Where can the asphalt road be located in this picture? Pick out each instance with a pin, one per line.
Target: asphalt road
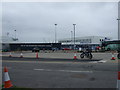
(29, 72)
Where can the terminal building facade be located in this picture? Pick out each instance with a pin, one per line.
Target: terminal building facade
(14, 44)
(92, 41)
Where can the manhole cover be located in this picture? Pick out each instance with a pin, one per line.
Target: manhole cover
(79, 76)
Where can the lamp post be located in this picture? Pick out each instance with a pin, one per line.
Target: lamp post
(118, 30)
(71, 37)
(15, 34)
(55, 33)
(74, 35)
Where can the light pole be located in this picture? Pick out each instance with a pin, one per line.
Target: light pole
(55, 33)
(71, 37)
(118, 30)
(74, 35)
(15, 34)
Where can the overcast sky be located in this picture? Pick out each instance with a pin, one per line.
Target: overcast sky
(35, 21)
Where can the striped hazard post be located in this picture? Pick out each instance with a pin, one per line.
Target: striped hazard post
(118, 81)
(7, 82)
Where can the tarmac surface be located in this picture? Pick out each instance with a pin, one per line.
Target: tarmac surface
(60, 70)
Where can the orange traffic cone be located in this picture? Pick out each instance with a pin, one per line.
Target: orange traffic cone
(113, 57)
(10, 55)
(21, 55)
(118, 81)
(7, 81)
(37, 55)
(75, 56)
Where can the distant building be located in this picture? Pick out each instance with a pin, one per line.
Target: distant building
(5, 41)
(92, 41)
(12, 44)
(84, 40)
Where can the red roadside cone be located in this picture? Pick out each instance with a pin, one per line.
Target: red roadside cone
(10, 55)
(7, 82)
(75, 56)
(21, 55)
(37, 55)
(118, 81)
(113, 57)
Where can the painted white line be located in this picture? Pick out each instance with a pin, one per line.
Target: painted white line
(93, 62)
(102, 61)
(63, 71)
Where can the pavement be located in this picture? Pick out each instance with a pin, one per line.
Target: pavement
(60, 70)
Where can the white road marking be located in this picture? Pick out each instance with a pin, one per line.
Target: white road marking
(93, 62)
(102, 61)
(64, 70)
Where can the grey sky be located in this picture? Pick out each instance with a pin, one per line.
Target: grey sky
(35, 21)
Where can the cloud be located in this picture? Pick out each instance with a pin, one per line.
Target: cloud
(35, 21)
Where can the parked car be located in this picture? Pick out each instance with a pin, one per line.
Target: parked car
(66, 49)
(36, 49)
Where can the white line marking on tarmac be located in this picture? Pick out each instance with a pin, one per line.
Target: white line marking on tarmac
(64, 70)
(102, 61)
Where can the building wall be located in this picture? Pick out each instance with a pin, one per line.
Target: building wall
(4, 42)
(83, 40)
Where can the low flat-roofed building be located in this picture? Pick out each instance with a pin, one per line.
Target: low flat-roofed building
(92, 41)
(84, 40)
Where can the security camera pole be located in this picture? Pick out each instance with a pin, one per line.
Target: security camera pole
(74, 35)
(55, 33)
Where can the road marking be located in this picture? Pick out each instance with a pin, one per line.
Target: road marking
(63, 71)
(102, 61)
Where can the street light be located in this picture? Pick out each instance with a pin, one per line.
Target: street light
(15, 34)
(71, 37)
(55, 33)
(74, 35)
(118, 30)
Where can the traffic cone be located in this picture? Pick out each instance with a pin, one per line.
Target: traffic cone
(113, 57)
(7, 82)
(10, 55)
(37, 55)
(21, 55)
(75, 56)
(118, 81)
